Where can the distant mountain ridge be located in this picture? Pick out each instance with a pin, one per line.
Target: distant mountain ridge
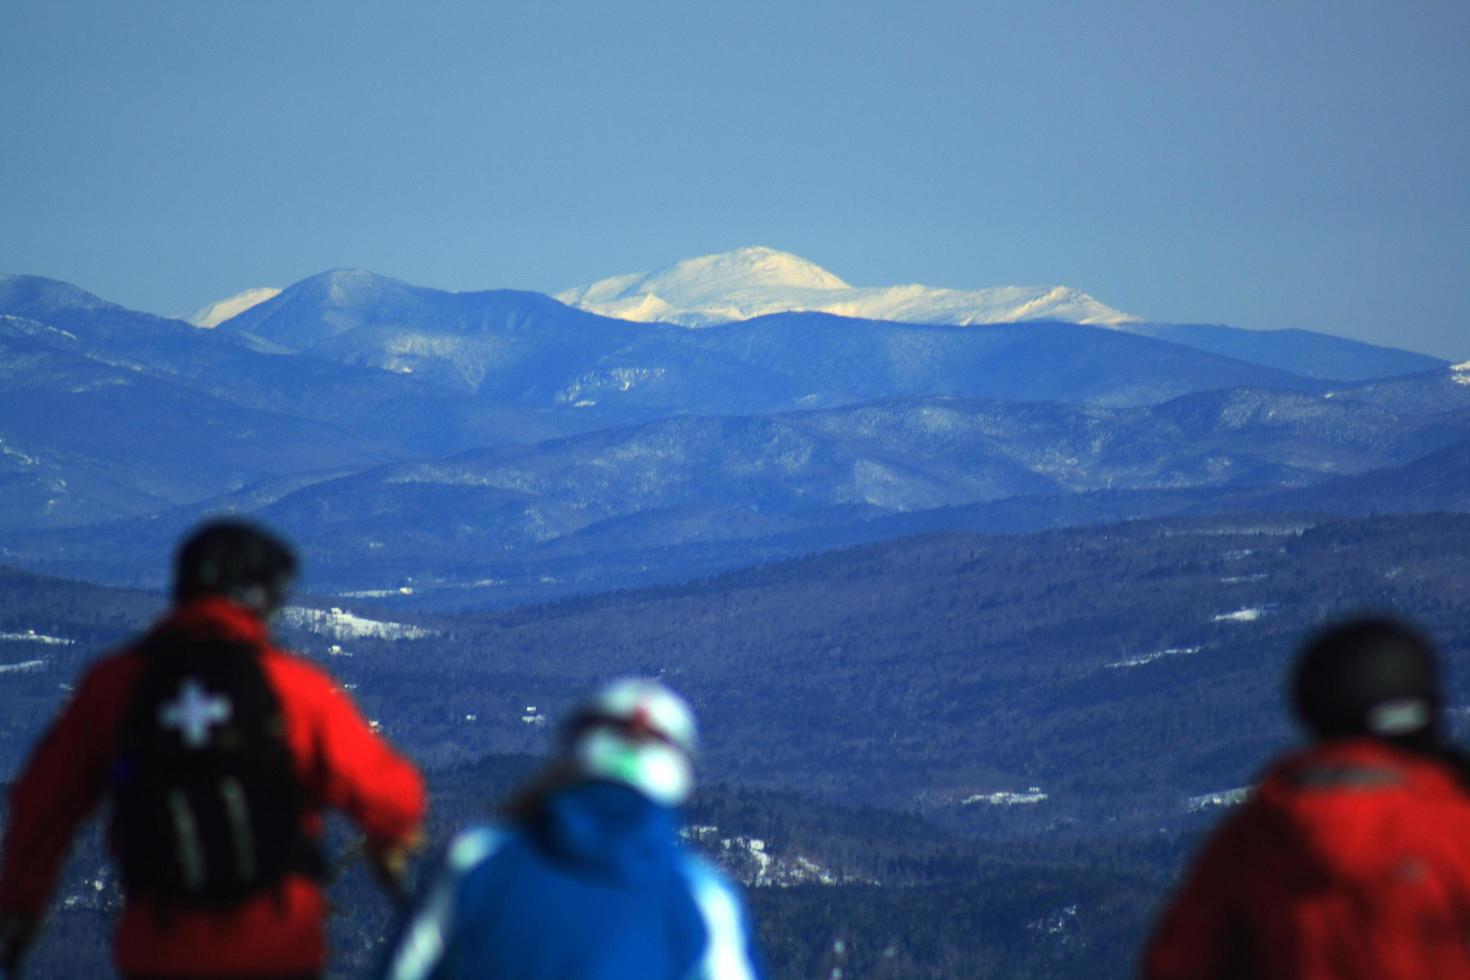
(412, 435)
(757, 281)
(750, 283)
(1305, 352)
(1433, 391)
(528, 348)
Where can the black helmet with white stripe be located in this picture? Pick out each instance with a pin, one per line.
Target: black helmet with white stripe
(1373, 676)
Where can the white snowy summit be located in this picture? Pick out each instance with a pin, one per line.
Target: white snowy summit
(216, 313)
(751, 282)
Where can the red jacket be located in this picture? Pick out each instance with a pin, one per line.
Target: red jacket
(340, 762)
(1351, 861)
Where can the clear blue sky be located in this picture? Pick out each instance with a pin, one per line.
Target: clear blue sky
(1269, 164)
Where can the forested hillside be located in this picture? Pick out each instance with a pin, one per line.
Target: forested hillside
(960, 754)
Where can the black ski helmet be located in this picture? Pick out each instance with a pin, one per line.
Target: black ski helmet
(1369, 676)
(235, 559)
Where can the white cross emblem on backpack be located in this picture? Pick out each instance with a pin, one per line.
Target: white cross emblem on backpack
(194, 713)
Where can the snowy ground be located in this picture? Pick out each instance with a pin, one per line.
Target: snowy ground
(1222, 798)
(23, 667)
(1148, 658)
(31, 636)
(749, 860)
(339, 624)
(1007, 798)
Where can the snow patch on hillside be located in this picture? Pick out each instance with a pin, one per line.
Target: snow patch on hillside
(581, 392)
(1460, 373)
(216, 313)
(9, 452)
(24, 667)
(342, 625)
(750, 861)
(1148, 658)
(1223, 798)
(757, 281)
(1007, 798)
(393, 593)
(1061, 922)
(1239, 579)
(25, 325)
(1249, 615)
(31, 636)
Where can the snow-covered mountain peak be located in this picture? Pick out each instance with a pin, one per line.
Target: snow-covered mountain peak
(216, 313)
(756, 281)
(345, 287)
(1460, 373)
(747, 267)
(708, 289)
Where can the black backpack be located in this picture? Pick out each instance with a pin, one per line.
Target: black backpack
(206, 803)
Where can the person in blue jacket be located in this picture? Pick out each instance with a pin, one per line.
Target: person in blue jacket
(587, 879)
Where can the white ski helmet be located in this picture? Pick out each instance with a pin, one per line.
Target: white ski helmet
(638, 732)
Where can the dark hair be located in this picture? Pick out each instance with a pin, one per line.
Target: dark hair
(526, 805)
(1374, 676)
(235, 559)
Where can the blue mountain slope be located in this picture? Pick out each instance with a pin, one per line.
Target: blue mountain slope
(532, 350)
(366, 405)
(1037, 361)
(1429, 472)
(44, 487)
(1439, 481)
(163, 443)
(455, 339)
(691, 494)
(687, 495)
(1303, 352)
(1432, 391)
(95, 322)
(516, 346)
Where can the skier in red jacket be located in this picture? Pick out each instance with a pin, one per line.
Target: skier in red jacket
(1352, 859)
(217, 841)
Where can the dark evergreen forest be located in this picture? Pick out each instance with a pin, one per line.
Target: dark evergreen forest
(960, 754)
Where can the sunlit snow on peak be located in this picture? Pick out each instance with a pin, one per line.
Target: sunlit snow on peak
(1460, 373)
(756, 264)
(216, 313)
(757, 281)
(711, 289)
(721, 275)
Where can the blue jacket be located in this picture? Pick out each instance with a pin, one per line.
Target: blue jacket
(599, 890)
